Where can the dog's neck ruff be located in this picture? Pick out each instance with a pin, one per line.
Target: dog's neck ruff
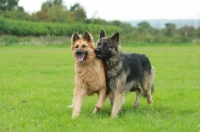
(113, 61)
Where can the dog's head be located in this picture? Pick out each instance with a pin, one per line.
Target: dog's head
(107, 46)
(82, 47)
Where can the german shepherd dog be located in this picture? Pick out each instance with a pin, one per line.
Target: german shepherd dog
(124, 72)
(90, 75)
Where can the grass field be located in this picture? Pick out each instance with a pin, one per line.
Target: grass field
(37, 82)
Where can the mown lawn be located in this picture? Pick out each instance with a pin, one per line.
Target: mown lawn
(37, 82)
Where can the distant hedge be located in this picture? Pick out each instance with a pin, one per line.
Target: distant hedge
(26, 28)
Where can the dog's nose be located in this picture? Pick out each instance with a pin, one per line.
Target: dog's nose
(78, 52)
(97, 50)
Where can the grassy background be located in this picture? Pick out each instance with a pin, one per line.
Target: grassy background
(37, 82)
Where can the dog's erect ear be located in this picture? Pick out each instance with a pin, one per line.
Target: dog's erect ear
(115, 37)
(87, 36)
(102, 34)
(75, 37)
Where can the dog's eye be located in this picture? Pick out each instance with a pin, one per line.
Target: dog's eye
(98, 44)
(76, 46)
(84, 46)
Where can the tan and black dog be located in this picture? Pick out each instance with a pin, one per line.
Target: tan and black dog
(90, 74)
(124, 72)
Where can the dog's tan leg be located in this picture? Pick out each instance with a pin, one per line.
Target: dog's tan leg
(118, 101)
(149, 86)
(78, 100)
(137, 103)
(138, 92)
(71, 106)
(111, 97)
(101, 100)
(148, 93)
(146, 86)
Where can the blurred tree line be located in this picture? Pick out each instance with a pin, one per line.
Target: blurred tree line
(55, 18)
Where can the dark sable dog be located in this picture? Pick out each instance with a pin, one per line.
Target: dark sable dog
(124, 72)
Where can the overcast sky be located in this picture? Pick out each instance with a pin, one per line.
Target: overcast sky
(124, 10)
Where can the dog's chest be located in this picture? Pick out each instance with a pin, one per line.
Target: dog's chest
(113, 69)
(112, 77)
(112, 83)
(89, 78)
(116, 75)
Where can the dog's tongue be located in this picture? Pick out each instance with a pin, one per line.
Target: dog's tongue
(81, 57)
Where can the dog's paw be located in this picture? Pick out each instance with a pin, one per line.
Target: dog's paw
(136, 105)
(70, 106)
(95, 110)
(75, 115)
(149, 100)
(114, 116)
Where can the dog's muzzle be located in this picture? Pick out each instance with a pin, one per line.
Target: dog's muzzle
(97, 51)
(81, 55)
(79, 52)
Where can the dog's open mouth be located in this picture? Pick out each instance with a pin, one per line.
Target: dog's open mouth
(81, 57)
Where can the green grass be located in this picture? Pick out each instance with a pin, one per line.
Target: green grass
(37, 82)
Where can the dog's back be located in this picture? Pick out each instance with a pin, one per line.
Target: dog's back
(138, 71)
(135, 67)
